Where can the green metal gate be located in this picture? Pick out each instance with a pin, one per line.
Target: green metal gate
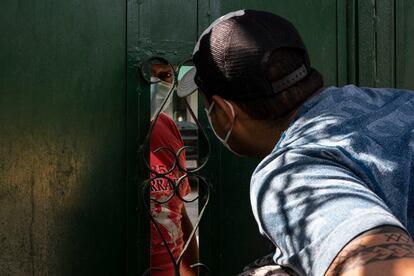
(63, 138)
(73, 111)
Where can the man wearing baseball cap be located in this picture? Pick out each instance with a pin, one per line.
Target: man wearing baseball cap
(334, 191)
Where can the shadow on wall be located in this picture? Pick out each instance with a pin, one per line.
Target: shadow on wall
(63, 206)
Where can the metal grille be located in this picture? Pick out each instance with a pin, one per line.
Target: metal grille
(175, 185)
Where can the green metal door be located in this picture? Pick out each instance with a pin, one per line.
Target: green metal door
(63, 138)
(73, 111)
(404, 44)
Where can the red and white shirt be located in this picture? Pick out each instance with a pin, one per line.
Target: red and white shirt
(166, 135)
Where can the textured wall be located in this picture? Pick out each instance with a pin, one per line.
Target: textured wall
(62, 137)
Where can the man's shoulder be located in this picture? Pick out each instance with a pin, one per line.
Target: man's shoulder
(337, 107)
(353, 91)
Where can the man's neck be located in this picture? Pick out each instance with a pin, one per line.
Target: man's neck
(265, 135)
(260, 137)
(270, 134)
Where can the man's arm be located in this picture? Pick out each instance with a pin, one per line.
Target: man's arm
(386, 250)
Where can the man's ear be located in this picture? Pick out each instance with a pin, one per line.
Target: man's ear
(224, 111)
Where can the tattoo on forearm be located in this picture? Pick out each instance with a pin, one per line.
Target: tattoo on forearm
(397, 237)
(393, 244)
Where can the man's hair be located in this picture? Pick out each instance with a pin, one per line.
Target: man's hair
(281, 63)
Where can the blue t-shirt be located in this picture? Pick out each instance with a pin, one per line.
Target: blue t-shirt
(344, 166)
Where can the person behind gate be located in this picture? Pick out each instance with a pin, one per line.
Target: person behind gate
(167, 208)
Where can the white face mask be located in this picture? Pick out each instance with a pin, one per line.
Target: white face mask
(159, 91)
(226, 138)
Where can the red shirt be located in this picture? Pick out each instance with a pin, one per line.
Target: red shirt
(168, 215)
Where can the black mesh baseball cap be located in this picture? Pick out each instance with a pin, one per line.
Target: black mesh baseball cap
(232, 55)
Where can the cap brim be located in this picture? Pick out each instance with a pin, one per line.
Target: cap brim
(187, 86)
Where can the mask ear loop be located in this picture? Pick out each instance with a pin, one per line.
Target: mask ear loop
(208, 111)
(232, 125)
(144, 147)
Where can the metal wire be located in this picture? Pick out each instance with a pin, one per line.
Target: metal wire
(175, 186)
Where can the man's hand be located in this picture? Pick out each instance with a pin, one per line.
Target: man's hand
(386, 250)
